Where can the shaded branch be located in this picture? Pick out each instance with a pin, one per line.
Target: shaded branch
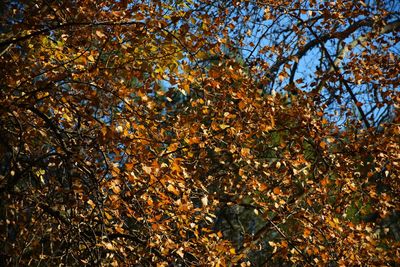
(16, 40)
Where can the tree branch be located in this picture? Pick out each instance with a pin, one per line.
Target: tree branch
(359, 41)
(16, 40)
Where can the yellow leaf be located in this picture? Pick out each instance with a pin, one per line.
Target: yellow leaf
(186, 87)
(108, 216)
(332, 224)
(146, 169)
(172, 147)
(272, 121)
(109, 246)
(173, 190)
(330, 139)
(180, 252)
(223, 126)
(278, 164)
(91, 58)
(245, 151)
(176, 166)
(100, 34)
(91, 203)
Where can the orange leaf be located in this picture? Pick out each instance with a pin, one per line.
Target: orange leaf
(242, 105)
(322, 145)
(306, 232)
(129, 166)
(277, 191)
(194, 140)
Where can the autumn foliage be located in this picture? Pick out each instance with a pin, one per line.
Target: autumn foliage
(197, 132)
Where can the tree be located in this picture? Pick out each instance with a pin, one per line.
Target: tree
(199, 133)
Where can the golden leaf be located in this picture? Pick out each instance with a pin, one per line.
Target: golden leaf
(173, 190)
(108, 216)
(109, 246)
(91, 58)
(322, 145)
(100, 34)
(147, 169)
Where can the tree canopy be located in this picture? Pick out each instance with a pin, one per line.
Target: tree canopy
(199, 132)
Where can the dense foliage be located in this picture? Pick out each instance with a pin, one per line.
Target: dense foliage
(198, 132)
